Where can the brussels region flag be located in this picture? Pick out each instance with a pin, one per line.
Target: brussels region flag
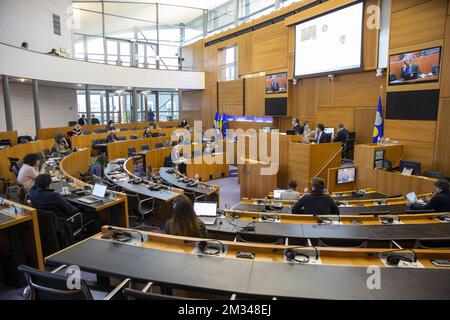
(378, 128)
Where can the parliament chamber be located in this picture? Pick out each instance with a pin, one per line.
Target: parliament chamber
(293, 150)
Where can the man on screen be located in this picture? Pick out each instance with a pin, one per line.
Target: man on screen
(409, 70)
(275, 87)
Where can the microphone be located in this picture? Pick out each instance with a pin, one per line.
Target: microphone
(292, 249)
(123, 232)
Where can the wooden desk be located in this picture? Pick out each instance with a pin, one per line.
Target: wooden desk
(306, 161)
(19, 235)
(253, 182)
(365, 154)
(208, 167)
(19, 151)
(119, 149)
(9, 135)
(79, 161)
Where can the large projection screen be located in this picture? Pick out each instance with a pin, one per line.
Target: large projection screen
(330, 43)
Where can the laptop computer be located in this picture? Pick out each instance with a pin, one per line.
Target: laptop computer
(206, 212)
(98, 194)
(277, 194)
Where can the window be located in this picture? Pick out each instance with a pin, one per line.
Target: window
(98, 104)
(169, 106)
(228, 65)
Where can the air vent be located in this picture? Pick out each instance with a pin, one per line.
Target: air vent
(56, 24)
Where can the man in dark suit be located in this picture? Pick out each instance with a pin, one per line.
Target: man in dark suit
(440, 202)
(317, 202)
(297, 127)
(342, 134)
(321, 136)
(409, 70)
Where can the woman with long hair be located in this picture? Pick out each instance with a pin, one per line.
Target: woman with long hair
(184, 221)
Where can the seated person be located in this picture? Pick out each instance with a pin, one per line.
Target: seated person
(316, 203)
(183, 124)
(76, 131)
(44, 198)
(110, 126)
(440, 202)
(291, 192)
(97, 166)
(111, 137)
(321, 136)
(61, 145)
(409, 71)
(147, 133)
(184, 221)
(30, 170)
(152, 124)
(94, 120)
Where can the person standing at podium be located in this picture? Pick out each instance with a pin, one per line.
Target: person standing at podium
(342, 134)
(316, 203)
(321, 136)
(296, 126)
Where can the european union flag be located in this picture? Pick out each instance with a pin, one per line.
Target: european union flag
(378, 128)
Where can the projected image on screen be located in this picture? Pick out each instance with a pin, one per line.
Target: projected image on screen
(415, 67)
(330, 43)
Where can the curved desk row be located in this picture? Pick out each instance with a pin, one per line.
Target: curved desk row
(199, 191)
(336, 274)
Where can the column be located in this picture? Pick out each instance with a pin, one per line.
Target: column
(88, 104)
(7, 103)
(37, 112)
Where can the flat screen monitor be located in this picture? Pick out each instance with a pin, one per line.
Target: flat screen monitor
(205, 209)
(379, 155)
(415, 67)
(330, 43)
(276, 83)
(277, 194)
(415, 166)
(346, 175)
(379, 164)
(329, 131)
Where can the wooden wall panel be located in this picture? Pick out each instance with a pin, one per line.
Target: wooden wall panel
(324, 92)
(430, 17)
(442, 151)
(364, 119)
(331, 117)
(192, 105)
(398, 5)
(231, 97)
(445, 63)
(270, 54)
(303, 98)
(421, 131)
(370, 42)
(255, 96)
(356, 89)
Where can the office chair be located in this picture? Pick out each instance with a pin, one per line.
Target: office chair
(43, 285)
(161, 134)
(135, 128)
(123, 129)
(147, 294)
(131, 151)
(349, 146)
(133, 137)
(433, 174)
(159, 145)
(145, 147)
(142, 208)
(100, 131)
(121, 138)
(85, 132)
(248, 237)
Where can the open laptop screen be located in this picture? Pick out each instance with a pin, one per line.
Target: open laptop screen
(205, 209)
(99, 190)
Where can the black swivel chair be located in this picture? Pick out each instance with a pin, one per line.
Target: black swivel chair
(123, 129)
(159, 145)
(349, 146)
(145, 147)
(121, 138)
(133, 137)
(43, 285)
(131, 151)
(249, 237)
(433, 174)
(85, 132)
(141, 207)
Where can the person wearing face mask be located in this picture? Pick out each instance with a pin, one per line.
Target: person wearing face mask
(296, 126)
